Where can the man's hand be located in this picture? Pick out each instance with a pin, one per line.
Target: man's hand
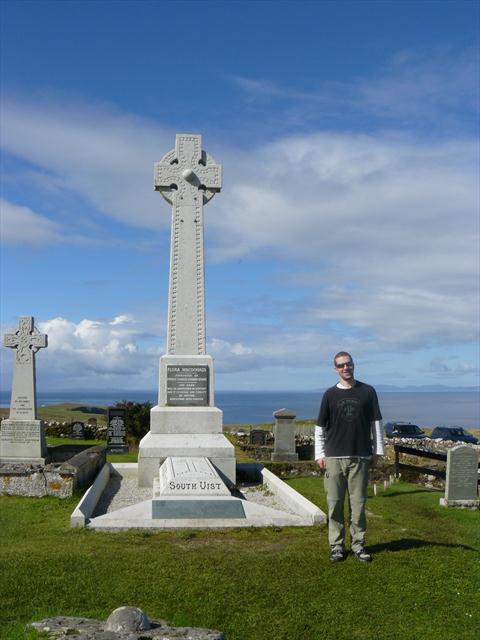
(322, 463)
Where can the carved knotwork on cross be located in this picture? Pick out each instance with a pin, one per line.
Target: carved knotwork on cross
(187, 177)
(187, 171)
(27, 340)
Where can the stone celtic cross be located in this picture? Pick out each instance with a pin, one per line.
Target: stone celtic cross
(187, 177)
(27, 340)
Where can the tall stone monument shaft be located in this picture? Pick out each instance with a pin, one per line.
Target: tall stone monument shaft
(187, 178)
(186, 423)
(22, 436)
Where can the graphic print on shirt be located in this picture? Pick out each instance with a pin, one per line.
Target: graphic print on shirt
(349, 409)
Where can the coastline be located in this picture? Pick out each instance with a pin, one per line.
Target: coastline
(425, 408)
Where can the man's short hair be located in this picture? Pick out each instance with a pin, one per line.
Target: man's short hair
(341, 353)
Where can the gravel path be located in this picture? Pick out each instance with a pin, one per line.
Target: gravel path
(122, 492)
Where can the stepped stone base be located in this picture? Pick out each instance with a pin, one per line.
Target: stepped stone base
(156, 447)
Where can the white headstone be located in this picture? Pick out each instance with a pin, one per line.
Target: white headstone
(186, 423)
(22, 438)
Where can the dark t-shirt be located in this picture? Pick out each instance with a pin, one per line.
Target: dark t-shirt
(346, 415)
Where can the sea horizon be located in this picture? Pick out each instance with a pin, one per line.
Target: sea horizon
(425, 408)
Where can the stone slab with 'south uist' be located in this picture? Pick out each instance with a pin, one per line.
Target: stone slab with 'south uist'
(192, 488)
(185, 422)
(22, 438)
(189, 477)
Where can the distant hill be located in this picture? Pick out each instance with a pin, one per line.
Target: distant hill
(435, 388)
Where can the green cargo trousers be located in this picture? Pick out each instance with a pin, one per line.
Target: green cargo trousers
(347, 476)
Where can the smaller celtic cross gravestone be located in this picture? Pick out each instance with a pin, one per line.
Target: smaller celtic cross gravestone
(22, 436)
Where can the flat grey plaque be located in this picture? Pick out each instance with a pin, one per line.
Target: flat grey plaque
(180, 509)
(187, 386)
(20, 432)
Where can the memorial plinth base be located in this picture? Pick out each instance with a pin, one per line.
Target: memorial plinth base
(185, 420)
(156, 447)
(23, 441)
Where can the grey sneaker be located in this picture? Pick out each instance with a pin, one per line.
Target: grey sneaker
(337, 554)
(363, 555)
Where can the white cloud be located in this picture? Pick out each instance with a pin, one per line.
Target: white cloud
(378, 232)
(96, 153)
(92, 352)
(21, 225)
(433, 87)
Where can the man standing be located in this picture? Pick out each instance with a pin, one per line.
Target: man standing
(348, 438)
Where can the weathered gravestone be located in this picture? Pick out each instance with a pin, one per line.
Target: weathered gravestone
(284, 433)
(22, 438)
(186, 422)
(77, 430)
(461, 484)
(259, 437)
(117, 430)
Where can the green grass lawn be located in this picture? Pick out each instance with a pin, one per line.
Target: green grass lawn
(269, 584)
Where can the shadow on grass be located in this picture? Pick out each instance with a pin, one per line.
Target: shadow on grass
(404, 544)
(395, 494)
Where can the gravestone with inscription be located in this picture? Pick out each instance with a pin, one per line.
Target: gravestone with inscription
(22, 436)
(284, 432)
(77, 430)
(117, 430)
(461, 484)
(259, 437)
(186, 421)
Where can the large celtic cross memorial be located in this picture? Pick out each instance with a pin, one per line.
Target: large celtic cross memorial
(187, 178)
(186, 422)
(22, 436)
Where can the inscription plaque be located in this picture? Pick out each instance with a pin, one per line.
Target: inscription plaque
(19, 432)
(78, 431)
(187, 385)
(117, 430)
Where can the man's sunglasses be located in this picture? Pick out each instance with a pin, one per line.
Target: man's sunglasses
(349, 365)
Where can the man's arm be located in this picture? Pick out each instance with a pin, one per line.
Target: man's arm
(320, 446)
(378, 444)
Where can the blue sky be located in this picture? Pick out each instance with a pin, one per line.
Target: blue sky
(348, 217)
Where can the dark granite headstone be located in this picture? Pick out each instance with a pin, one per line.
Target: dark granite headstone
(187, 386)
(117, 430)
(258, 437)
(78, 431)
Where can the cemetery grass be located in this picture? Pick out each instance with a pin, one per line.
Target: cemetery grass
(252, 584)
